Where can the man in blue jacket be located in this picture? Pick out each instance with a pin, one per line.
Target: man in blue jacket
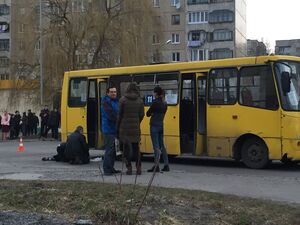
(109, 113)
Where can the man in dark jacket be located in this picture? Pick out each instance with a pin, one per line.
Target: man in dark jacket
(77, 150)
(53, 123)
(17, 123)
(131, 114)
(157, 113)
(109, 113)
(44, 120)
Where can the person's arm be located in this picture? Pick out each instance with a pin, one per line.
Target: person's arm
(141, 111)
(120, 116)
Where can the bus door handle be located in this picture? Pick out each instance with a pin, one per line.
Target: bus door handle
(235, 117)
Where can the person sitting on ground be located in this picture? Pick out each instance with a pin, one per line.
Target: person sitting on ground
(77, 150)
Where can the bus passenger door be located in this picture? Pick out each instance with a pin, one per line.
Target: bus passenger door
(188, 114)
(77, 104)
(93, 111)
(201, 148)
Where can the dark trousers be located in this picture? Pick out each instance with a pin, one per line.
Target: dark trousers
(43, 130)
(110, 153)
(131, 151)
(54, 132)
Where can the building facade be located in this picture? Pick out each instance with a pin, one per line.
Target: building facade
(288, 47)
(5, 39)
(256, 48)
(195, 30)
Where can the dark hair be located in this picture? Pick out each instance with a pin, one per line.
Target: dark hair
(133, 88)
(79, 129)
(110, 87)
(158, 90)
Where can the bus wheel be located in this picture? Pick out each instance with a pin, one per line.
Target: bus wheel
(255, 153)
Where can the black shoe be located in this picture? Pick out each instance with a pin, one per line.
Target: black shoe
(108, 174)
(116, 171)
(166, 168)
(153, 168)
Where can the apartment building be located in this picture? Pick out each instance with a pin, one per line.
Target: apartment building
(5, 38)
(195, 30)
(288, 47)
(256, 48)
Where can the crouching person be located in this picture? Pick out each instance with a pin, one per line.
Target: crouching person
(77, 150)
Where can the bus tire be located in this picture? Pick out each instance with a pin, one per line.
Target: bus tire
(255, 153)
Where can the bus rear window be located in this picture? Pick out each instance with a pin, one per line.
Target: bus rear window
(77, 92)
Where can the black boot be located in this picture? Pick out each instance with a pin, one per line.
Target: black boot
(166, 168)
(153, 168)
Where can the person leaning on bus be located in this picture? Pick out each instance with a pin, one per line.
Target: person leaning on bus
(157, 113)
(131, 114)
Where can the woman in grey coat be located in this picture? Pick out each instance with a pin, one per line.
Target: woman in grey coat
(131, 114)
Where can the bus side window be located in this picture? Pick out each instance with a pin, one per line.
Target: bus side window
(222, 86)
(77, 92)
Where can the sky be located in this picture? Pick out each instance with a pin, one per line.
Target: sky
(273, 20)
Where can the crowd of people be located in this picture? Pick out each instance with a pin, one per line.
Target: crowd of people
(15, 125)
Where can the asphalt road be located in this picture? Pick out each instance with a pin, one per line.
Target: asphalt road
(278, 182)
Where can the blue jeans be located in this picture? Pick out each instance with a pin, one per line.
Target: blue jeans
(110, 153)
(157, 137)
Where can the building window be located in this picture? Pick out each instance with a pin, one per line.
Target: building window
(222, 35)
(4, 9)
(283, 50)
(4, 76)
(21, 28)
(175, 19)
(79, 5)
(4, 44)
(195, 2)
(4, 62)
(175, 2)
(199, 54)
(155, 3)
(221, 53)
(4, 27)
(175, 39)
(21, 44)
(198, 17)
(175, 56)
(220, 1)
(221, 16)
(155, 39)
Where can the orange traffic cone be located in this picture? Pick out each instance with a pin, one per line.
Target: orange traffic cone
(21, 147)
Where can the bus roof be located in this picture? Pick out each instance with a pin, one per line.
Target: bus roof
(182, 66)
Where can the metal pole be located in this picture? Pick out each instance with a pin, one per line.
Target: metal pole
(41, 55)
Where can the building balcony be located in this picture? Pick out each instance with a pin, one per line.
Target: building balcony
(195, 44)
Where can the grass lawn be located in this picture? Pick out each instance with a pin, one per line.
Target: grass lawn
(115, 204)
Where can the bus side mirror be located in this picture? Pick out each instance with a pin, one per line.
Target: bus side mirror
(285, 82)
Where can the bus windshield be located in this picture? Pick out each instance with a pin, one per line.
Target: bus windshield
(288, 78)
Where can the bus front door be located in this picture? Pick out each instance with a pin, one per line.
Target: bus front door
(76, 105)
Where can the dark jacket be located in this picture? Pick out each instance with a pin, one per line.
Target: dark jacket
(131, 115)
(109, 115)
(54, 119)
(17, 120)
(157, 112)
(76, 146)
(44, 116)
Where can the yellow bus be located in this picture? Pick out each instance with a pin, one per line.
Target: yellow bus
(243, 108)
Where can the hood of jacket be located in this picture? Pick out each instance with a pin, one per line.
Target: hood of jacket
(132, 95)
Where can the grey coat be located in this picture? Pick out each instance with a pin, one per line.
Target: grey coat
(131, 114)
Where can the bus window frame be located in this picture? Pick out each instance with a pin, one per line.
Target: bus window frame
(208, 85)
(274, 83)
(69, 92)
